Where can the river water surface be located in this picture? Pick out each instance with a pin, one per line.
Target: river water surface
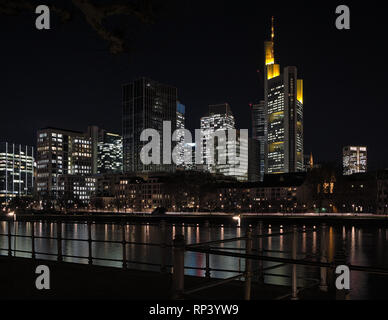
(363, 246)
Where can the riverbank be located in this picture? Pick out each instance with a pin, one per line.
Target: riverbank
(201, 218)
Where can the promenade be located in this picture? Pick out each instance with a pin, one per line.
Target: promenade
(76, 281)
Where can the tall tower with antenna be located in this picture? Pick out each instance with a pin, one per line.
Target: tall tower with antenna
(283, 105)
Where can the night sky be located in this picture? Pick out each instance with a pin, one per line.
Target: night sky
(211, 51)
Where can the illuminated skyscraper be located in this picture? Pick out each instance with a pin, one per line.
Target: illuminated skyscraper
(283, 93)
(16, 171)
(180, 124)
(61, 152)
(146, 105)
(259, 129)
(355, 160)
(107, 151)
(220, 119)
(110, 153)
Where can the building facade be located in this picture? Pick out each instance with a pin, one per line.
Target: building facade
(219, 118)
(254, 157)
(61, 152)
(259, 129)
(180, 126)
(355, 160)
(16, 171)
(227, 150)
(146, 105)
(283, 94)
(76, 189)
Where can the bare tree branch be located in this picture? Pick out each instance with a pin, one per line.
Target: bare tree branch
(95, 15)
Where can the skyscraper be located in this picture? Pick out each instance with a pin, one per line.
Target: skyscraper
(254, 157)
(355, 160)
(180, 125)
(107, 151)
(283, 93)
(259, 129)
(16, 171)
(61, 152)
(146, 105)
(221, 119)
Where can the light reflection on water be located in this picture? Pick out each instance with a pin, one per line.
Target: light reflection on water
(364, 246)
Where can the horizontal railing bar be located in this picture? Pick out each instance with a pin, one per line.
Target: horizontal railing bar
(209, 243)
(119, 260)
(288, 261)
(212, 285)
(275, 267)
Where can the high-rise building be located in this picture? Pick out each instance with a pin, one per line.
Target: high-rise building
(107, 151)
(16, 171)
(254, 157)
(61, 152)
(180, 125)
(355, 160)
(110, 153)
(220, 119)
(146, 105)
(283, 93)
(259, 129)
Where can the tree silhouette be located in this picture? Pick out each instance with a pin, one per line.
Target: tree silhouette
(97, 15)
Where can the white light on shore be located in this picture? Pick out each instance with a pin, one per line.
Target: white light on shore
(238, 219)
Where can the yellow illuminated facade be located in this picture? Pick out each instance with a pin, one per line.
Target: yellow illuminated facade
(269, 53)
(273, 71)
(300, 90)
(284, 150)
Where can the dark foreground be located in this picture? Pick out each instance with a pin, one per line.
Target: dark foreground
(75, 281)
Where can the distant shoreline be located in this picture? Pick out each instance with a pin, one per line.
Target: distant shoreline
(199, 218)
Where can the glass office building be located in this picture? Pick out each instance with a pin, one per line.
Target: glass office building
(110, 153)
(16, 171)
(147, 104)
(355, 160)
(180, 125)
(227, 150)
(259, 130)
(61, 152)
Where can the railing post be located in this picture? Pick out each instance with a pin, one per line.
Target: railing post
(207, 271)
(323, 284)
(340, 259)
(9, 238)
(260, 252)
(163, 246)
(207, 255)
(59, 240)
(90, 258)
(248, 266)
(33, 239)
(294, 257)
(178, 275)
(124, 243)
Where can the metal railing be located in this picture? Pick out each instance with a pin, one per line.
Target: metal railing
(180, 292)
(208, 249)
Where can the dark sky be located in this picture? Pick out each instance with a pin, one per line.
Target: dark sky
(211, 51)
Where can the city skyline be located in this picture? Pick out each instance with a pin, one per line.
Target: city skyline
(323, 140)
(190, 150)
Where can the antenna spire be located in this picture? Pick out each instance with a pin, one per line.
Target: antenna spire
(273, 29)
